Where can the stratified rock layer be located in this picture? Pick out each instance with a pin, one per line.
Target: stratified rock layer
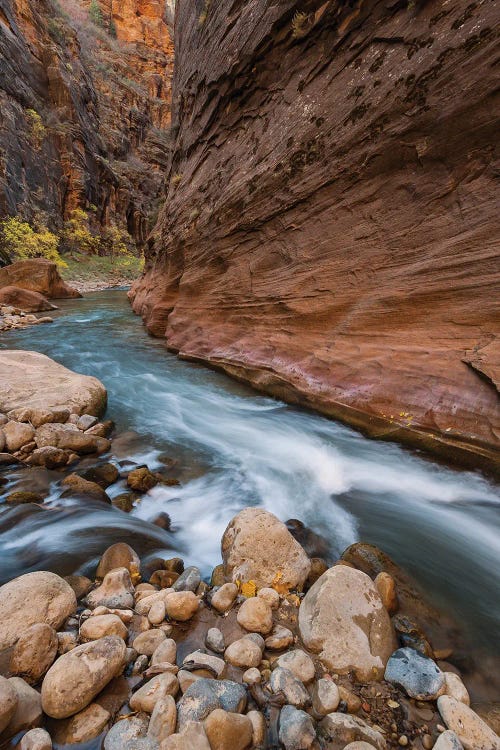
(330, 232)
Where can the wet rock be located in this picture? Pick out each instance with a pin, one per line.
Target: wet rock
(21, 497)
(7, 459)
(164, 578)
(82, 727)
(279, 639)
(228, 731)
(2, 441)
(28, 711)
(411, 635)
(76, 485)
(116, 590)
(189, 580)
(32, 598)
(130, 734)
(99, 626)
(104, 474)
(341, 728)
(472, 731)
(163, 520)
(166, 651)
(386, 587)
(147, 696)
(36, 739)
(16, 435)
(38, 417)
(8, 702)
(243, 653)
(448, 741)
(270, 596)
(325, 697)
(81, 585)
(119, 555)
(283, 681)
(50, 457)
(215, 664)
(142, 479)
(192, 737)
(215, 640)
(181, 605)
(456, 688)
(362, 639)
(314, 544)
(299, 663)
(223, 598)
(146, 643)
(255, 615)
(78, 676)
(296, 730)
(205, 695)
(163, 719)
(124, 501)
(245, 551)
(86, 421)
(417, 675)
(34, 652)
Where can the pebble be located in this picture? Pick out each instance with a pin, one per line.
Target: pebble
(279, 639)
(386, 587)
(157, 612)
(258, 728)
(181, 605)
(141, 479)
(189, 580)
(66, 641)
(36, 739)
(28, 711)
(186, 679)
(472, 731)
(146, 643)
(325, 697)
(192, 737)
(82, 727)
(78, 676)
(205, 695)
(100, 625)
(199, 657)
(215, 640)
(252, 676)
(140, 664)
(417, 675)
(8, 702)
(270, 596)
(130, 734)
(148, 695)
(163, 719)
(284, 681)
(344, 728)
(456, 688)
(119, 555)
(228, 731)
(223, 599)
(166, 651)
(296, 730)
(299, 663)
(255, 615)
(116, 590)
(243, 653)
(448, 740)
(34, 652)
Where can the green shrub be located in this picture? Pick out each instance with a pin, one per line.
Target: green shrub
(21, 241)
(36, 128)
(95, 14)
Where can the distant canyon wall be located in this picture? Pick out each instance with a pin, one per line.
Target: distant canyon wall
(331, 228)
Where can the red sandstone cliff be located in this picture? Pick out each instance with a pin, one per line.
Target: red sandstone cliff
(331, 233)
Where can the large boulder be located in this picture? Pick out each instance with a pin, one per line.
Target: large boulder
(342, 618)
(37, 275)
(39, 597)
(32, 380)
(25, 299)
(257, 546)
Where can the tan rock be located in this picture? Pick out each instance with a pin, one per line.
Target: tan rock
(216, 665)
(325, 697)
(228, 731)
(49, 456)
(181, 605)
(186, 679)
(255, 615)
(352, 700)
(8, 702)
(258, 728)
(32, 380)
(78, 676)
(362, 637)
(82, 727)
(76, 485)
(166, 651)
(299, 663)
(279, 639)
(36, 739)
(98, 626)
(243, 653)
(28, 711)
(147, 642)
(163, 719)
(39, 597)
(224, 597)
(252, 676)
(342, 728)
(386, 587)
(119, 555)
(17, 434)
(142, 479)
(66, 641)
(270, 596)
(246, 546)
(456, 688)
(147, 696)
(472, 731)
(34, 652)
(192, 737)
(116, 590)
(157, 613)
(448, 740)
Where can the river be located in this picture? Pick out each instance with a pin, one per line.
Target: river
(234, 448)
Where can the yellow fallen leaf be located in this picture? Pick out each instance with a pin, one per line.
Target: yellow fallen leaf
(248, 589)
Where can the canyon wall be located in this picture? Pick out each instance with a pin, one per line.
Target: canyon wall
(84, 111)
(331, 232)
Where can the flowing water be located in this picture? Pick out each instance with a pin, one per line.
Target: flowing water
(234, 448)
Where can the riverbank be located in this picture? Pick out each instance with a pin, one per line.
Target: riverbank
(91, 273)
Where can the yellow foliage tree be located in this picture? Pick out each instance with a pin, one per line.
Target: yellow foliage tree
(21, 241)
(77, 236)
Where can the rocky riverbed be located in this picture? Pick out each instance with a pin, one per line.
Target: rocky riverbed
(278, 650)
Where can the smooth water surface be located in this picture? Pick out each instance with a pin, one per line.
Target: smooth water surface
(235, 448)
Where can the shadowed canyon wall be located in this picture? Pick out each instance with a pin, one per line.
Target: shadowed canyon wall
(84, 111)
(331, 233)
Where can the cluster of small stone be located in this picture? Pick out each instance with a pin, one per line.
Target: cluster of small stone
(245, 662)
(13, 317)
(52, 438)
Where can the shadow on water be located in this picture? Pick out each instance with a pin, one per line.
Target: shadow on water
(234, 448)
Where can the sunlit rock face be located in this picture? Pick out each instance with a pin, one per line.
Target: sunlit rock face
(330, 227)
(85, 111)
